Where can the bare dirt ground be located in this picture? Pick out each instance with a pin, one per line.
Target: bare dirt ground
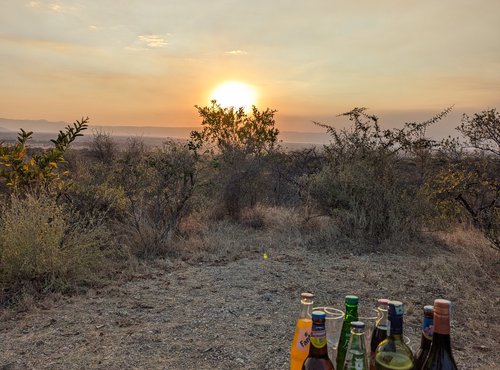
(239, 313)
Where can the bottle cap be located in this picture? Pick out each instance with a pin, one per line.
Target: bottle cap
(395, 308)
(306, 295)
(428, 310)
(442, 307)
(383, 302)
(358, 324)
(318, 315)
(351, 299)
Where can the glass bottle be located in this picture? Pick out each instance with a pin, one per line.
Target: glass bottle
(318, 350)
(379, 331)
(393, 353)
(440, 356)
(356, 357)
(425, 342)
(351, 314)
(301, 338)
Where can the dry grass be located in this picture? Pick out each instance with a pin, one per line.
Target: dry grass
(45, 247)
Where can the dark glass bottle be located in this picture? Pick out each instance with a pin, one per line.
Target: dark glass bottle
(440, 356)
(318, 349)
(425, 343)
(356, 357)
(379, 331)
(351, 314)
(393, 353)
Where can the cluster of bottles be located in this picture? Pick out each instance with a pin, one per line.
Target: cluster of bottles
(387, 348)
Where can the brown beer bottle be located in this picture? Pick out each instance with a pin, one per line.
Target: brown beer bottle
(440, 356)
(425, 343)
(318, 350)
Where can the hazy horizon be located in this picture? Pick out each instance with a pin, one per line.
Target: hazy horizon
(395, 119)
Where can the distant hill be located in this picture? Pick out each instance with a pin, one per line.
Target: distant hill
(161, 133)
(41, 126)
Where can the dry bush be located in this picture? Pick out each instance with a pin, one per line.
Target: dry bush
(367, 201)
(46, 247)
(158, 185)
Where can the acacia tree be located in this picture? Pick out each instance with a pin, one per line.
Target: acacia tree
(469, 187)
(237, 144)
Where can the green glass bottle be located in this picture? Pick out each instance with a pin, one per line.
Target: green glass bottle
(356, 357)
(318, 349)
(426, 341)
(351, 314)
(393, 353)
(440, 356)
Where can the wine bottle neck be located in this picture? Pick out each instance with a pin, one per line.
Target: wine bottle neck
(427, 330)
(441, 342)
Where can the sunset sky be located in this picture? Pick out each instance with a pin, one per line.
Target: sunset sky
(149, 62)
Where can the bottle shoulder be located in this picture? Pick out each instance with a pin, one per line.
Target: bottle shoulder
(394, 345)
(440, 360)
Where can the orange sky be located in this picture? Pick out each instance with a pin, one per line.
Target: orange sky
(149, 62)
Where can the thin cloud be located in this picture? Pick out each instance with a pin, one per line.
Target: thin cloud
(54, 7)
(153, 41)
(236, 52)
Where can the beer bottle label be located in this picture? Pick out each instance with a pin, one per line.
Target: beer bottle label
(318, 338)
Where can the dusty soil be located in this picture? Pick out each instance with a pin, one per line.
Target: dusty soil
(240, 314)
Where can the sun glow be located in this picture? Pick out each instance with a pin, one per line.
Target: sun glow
(234, 94)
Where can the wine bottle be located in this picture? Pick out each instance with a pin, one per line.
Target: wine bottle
(393, 353)
(425, 342)
(440, 355)
(379, 331)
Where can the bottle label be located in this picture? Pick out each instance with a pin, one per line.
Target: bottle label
(304, 340)
(359, 362)
(318, 338)
(428, 327)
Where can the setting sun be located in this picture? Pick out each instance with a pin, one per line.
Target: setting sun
(234, 94)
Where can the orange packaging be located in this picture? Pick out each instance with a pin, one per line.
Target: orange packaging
(300, 344)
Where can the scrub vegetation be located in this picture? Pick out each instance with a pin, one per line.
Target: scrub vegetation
(74, 220)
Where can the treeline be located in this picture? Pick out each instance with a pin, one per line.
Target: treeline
(65, 212)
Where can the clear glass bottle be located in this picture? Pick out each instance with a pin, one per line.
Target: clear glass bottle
(379, 331)
(318, 350)
(426, 341)
(393, 353)
(440, 355)
(351, 314)
(356, 357)
(301, 338)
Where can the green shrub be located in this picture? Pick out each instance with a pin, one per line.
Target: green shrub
(45, 246)
(237, 146)
(21, 169)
